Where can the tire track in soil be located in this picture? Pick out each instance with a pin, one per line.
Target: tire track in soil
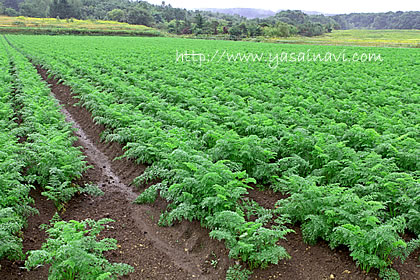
(185, 247)
(96, 156)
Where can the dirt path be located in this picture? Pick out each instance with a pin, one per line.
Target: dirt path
(183, 251)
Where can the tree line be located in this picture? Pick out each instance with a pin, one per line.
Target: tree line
(182, 21)
(390, 20)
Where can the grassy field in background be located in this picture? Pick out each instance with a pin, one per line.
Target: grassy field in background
(355, 37)
(72, 26)
(359, 37)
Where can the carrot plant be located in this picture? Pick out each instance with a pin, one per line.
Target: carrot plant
(74, 252)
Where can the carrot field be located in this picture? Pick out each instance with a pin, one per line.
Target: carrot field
(330, 132)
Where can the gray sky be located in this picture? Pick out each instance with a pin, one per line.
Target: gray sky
(326, 6)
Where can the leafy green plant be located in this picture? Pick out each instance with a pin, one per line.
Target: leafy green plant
(92, 189)
(405, 251)
(389, 274)
(214, 262)
(249, 241)
(236, 272)
(373, 248)
(73, 251)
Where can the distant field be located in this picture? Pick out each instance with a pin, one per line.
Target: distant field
(356, 37)
(52, 26)
(72, 26)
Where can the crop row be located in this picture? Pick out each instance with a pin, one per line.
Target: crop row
(343, 146)
(14, 196)
(36, 148)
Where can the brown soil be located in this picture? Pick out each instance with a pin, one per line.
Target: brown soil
(183, 251)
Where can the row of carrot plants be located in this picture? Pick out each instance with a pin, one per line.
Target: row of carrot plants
(37, 148)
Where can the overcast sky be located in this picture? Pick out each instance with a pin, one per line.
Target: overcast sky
(325, 6)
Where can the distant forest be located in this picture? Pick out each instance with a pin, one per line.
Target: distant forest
(390, 20)
(182, 21)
